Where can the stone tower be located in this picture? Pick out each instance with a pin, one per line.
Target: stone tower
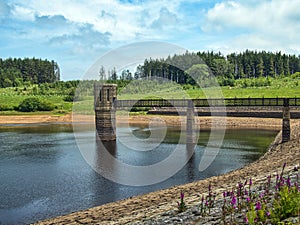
(105, 113)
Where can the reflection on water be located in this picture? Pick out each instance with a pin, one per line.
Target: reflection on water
(43, 174)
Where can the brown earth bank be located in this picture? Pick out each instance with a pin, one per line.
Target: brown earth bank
(153, 205)
(247, 122)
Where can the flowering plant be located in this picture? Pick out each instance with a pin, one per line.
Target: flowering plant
(181, 204)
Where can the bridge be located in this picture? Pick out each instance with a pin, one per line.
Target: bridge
(217, 102)
(106, 104)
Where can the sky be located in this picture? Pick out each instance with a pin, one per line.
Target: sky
(76, 33)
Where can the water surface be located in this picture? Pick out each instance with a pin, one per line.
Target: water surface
(44, 175)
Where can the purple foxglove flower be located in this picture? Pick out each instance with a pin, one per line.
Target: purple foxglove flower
(246, 220)
(181, 195)
(224, 194)
(240, 185)
(245, 183)
(261, 195)
(248, 199)
(250, 182)
(233, 200)
(288, 182)
(246, 192)
(268, 213)
(258, 206)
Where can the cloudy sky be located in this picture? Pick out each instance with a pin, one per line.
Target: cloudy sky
(75, 33)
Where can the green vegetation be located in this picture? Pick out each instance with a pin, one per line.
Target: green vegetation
(278, 87)
(34, 104)
(62, 94)
(286, 204)
(248, 74)
(19, 72)
(201, 66)
(47, 97)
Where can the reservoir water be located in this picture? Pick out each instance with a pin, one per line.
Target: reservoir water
(43, 173)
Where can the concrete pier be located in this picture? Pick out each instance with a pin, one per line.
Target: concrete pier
(190, 123)
(286, 127)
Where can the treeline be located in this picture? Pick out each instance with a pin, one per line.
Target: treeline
(227, 69)
(251, 64)
(14, 72)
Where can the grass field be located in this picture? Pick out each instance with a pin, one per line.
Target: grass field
(10, 98)
(227, 92)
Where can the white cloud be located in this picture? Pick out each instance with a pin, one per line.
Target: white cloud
(262, 15)
(22, 13)
(85, 39)
(166, 19)
(123, 20)
(271, 25)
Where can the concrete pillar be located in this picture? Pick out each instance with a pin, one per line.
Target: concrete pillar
(286, 129)
(105, 113)
(190, 123)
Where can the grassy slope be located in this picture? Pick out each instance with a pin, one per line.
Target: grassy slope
(284, 87)
(9, 98)
(228, 92)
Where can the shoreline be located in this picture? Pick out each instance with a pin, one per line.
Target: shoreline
(156, 204)
(203, 121)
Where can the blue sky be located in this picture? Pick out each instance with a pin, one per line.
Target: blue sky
(75, 33)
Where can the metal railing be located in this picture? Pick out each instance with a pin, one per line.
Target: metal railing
(228, 102)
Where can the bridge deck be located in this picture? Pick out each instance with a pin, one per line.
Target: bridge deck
(226, 102)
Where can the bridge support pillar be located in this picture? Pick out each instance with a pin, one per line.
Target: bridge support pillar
(286, 128)
(190, 123)
(105, 113)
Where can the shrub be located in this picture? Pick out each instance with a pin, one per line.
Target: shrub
(73, 96)
(45, 106)
(287, 205)
(35, 104)
(6, 107)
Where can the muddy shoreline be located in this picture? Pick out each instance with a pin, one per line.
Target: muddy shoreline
(204, 122)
